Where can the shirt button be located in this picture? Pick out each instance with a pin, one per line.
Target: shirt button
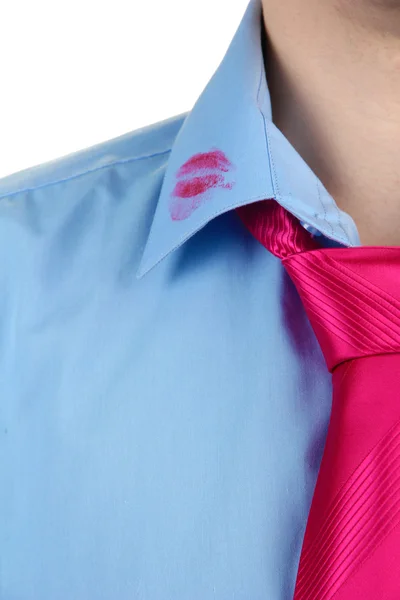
(311, 229)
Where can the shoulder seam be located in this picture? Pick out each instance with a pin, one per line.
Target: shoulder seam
(76, 175)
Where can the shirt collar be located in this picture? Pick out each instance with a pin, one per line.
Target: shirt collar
(229, 153)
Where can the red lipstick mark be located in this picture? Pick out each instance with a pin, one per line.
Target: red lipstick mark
(206, 160)
(199, 175)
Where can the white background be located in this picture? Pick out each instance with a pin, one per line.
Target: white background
(76, 73)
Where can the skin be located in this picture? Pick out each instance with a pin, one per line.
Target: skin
(333, 70)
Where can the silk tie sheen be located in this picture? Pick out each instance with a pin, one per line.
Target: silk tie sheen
(351, 546)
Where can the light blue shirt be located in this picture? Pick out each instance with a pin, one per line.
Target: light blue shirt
(164, 400)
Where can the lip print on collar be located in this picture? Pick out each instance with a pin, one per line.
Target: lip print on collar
(196, 178)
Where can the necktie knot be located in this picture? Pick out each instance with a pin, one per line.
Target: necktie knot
(351, 295)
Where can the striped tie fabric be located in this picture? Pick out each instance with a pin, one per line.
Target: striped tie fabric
(351, 546)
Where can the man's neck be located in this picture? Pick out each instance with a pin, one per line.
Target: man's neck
(334, 78)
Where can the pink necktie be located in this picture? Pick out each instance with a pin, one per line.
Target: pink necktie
(351, 547)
